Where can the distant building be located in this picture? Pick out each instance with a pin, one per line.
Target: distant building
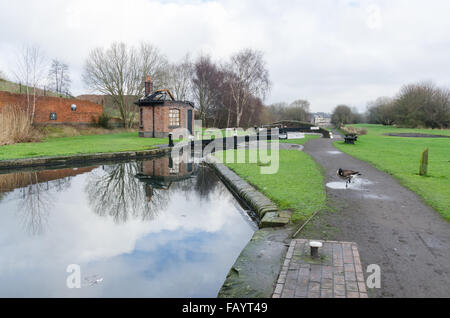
(160, 113)
(321, 119)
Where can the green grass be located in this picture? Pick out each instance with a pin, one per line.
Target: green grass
(15, 88)
(206, 134)
(400, 157)
(224, 133)
(301, 141)
(128, 141)
(297, 186)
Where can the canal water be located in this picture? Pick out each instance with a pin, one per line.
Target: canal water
(154, 228)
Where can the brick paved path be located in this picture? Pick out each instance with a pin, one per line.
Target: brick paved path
(337, 273)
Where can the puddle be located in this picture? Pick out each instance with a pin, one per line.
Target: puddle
(338, 185)
(335, 152)
(376, 197)
(357, 184)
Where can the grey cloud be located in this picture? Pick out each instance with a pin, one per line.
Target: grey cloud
(328, 52)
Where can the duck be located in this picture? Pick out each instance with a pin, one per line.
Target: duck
(347, 175)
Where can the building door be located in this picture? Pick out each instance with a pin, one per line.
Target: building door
(190, 120)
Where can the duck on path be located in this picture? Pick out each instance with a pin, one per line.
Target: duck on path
(347, 175)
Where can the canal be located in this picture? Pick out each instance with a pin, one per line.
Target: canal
(152, 228)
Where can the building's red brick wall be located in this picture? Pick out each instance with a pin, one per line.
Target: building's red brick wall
(86, 110)
(162, 118)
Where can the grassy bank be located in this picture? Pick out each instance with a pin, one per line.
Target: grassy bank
(297, 186)
(15, 88)
(399, 156)
(59, 131)
(128, 141)
(301, 141)
(207, 133)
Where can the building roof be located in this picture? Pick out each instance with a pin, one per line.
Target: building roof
(159, 98)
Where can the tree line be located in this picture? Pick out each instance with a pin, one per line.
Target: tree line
(417, 105)
(227, 93)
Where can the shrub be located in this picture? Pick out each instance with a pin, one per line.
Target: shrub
(102, 121)
(16, 126)
(353, 130)
(421, 105)
(343, 114)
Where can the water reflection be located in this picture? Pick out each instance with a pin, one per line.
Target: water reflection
(34, 193)
(155, 228)
(115, 191)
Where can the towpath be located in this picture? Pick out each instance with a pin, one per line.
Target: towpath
(392, 226)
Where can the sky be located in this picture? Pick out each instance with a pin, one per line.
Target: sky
(329, 52)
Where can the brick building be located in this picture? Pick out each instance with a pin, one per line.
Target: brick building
(56, 110)
(160, 113)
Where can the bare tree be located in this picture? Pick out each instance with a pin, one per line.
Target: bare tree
(35, 205)
(180, 78)
(299, 110)
(380, 111)
(30, 71)
(58, 77)
(120, 72)
(3, 76)
(116, 192)
(207, 83)
(342, 115)
(422, 104)
(248, 77)
(416, 105)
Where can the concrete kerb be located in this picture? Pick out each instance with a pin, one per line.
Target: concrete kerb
(266, 210)
(255, 272)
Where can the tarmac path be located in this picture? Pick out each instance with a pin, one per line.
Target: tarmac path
(392, 226)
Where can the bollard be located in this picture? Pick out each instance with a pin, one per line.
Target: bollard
(171, 140)
(314, 245)
(235, 142)
(423, 163)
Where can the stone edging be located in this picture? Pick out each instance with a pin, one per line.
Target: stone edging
(256, 270)
(260, 204)
(63, 160)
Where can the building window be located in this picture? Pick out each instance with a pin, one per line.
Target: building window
(174, 118)
(73, 107)
(52, 116)
(141, 117)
